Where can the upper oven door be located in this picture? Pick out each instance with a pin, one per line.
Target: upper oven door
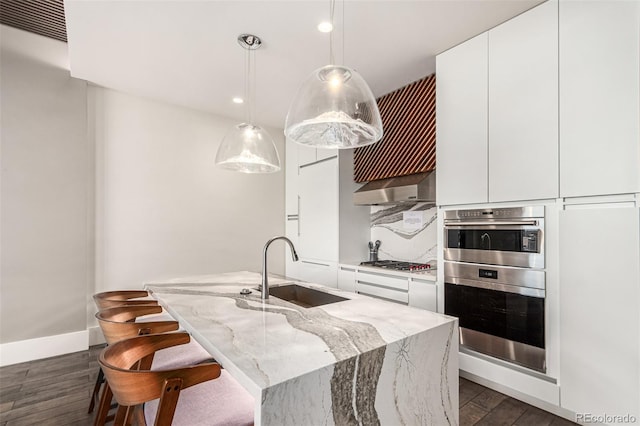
(496, 242)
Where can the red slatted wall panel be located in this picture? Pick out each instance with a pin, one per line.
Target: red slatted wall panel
(409, 142)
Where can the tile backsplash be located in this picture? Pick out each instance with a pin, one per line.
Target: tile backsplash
(407, 231)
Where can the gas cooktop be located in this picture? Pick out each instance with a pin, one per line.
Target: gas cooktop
(398, 265)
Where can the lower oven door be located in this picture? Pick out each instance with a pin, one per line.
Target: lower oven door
(499, 320)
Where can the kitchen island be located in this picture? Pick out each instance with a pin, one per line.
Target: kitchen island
(357, 361)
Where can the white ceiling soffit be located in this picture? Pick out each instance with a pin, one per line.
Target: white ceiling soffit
(185, 52)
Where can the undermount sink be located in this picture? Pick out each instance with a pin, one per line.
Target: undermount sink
(303, 296)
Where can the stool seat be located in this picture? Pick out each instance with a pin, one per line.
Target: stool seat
(186, 395)
(234, 405)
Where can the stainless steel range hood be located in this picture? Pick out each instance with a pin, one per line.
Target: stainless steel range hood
(419, 187)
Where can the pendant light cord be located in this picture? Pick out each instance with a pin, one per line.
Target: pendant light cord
(343, 32)
(247, 112)
(332, 7)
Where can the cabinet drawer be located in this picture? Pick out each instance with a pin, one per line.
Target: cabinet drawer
(382, 292)
(384, 280)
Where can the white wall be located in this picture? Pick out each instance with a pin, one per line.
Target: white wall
(163, 209)
(103, 190)
(46, 195)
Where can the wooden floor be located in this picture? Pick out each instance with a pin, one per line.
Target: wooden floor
(56, 391)
(482, 406)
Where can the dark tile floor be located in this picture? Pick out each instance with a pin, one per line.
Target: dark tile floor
(56, 391)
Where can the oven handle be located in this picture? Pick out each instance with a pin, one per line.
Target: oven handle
(524, 291)
(493, 223)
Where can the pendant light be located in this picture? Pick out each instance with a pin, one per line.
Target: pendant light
(247, 147)
(334, 108)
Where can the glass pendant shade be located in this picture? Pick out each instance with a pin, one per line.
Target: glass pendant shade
(334, 108)
(248, 148)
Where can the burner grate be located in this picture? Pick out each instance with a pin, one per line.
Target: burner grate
(398, 265)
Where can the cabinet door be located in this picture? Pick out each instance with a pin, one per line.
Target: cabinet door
(291, 178)
(599, 97)
(324, 153)
(291, 231)
(461, 108)
(318, 272)
(306, 154)
(347, 278)
(599, 315)
(423, 294)
(523, 106)
(318, 215)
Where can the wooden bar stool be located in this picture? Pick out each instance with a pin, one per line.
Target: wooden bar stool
(185, 396)
(109, 299)
(120, 323)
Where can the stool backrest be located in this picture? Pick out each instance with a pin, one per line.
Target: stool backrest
(132, 386)
(119, 323)
(109, 299)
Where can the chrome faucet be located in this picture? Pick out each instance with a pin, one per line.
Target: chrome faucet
(264, 286)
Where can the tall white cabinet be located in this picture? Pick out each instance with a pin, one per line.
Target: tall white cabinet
(461, 108)
(523, 106)
(321, 220)
(599, 97)
(599, 316)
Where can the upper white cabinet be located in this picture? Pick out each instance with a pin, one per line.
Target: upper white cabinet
(461, 108)
(497, 109)
(599, 97)
(523, 106)
(599, 319)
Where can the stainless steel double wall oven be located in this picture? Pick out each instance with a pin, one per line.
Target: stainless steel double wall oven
(495, 281)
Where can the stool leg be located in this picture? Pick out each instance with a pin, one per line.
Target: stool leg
(105, 405)
(96, 390)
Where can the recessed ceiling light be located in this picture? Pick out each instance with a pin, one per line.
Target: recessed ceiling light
(237, 100)
(325, 27)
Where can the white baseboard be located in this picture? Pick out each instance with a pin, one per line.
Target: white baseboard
(534, 391)
(43, 347)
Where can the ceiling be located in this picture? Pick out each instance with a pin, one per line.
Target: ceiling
(185, 52)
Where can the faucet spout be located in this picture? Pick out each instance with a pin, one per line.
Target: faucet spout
(264, 285)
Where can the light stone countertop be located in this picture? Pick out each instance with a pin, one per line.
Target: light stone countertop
(270, 346)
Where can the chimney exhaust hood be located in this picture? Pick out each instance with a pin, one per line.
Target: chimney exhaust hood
(419, 187)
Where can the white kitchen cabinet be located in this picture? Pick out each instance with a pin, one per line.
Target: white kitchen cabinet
(497, 108)
(318, 214)
(308, 155)
(599, 316)
(347, 278)
(319, 272)
(291, 231)
(423, 294)
(321, 219)
(384, 286)
(523, 106)
(291, 187)
(461, 108)
(599, 97)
